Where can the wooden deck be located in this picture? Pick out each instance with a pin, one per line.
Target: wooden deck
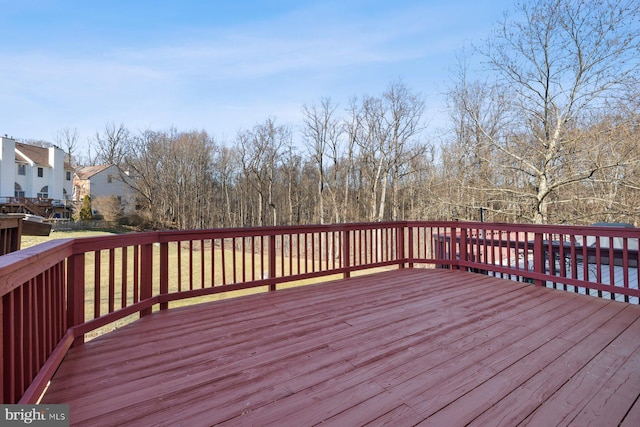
(405, 347)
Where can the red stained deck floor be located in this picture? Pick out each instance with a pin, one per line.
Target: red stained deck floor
(405, 347)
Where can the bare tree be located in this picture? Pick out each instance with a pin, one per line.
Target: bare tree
(112, 144)
(225, 172)
(321, 132)
(555, 64)
(385, 131)
(292, 170)
(470, 162)
(404, 119)
(67, 139)
(259, 151)
(609, 195)
(172, 173)
(372, 139)
(352, 127)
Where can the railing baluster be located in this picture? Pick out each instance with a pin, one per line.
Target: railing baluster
(179, 264)
(164, 272)
(244, 260)
(58, 289)
(190, 265)
(290, 235)
(625, 267)
(213, 262)
(7, 341)
(272, 261)
(313, 252)
(136, 273)
(233, 253)
(346, 254)
(39, 309)
(27, 330)
(222, 261)
(561, 270)
(46, 315)
(146, 276)
(324, 237)
(303, 251)
(112, 280)
(253, 258)
(282, 255)
(612, 278)
(298, 253)
(585, 263)
(123, 291)
(202, 264)
(96, 280)
(538, 257)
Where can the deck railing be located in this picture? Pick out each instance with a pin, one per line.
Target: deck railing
(56, 293)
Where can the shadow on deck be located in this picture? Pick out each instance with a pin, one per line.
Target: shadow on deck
(407, 347)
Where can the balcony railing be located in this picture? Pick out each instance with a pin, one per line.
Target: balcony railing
(41, 206)
(55, 293)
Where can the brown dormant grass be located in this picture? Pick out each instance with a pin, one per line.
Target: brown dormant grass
(200, 260)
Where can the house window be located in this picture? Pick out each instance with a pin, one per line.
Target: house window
(40, 172)
(109, 179)
(68, 175)
(44, 192)
(18, 191)
(22, 169)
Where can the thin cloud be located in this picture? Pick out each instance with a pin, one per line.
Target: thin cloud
(228, 75)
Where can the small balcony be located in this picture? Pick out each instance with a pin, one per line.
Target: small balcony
(43, 207)
(430, 323)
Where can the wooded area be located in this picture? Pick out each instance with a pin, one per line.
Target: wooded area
(547, 131)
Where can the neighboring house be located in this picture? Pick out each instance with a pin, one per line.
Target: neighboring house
(34, 179)
(104, 180)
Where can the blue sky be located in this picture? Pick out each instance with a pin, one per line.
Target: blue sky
(221, 66)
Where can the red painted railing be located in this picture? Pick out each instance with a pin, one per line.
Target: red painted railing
(55, 293)
(599, 261)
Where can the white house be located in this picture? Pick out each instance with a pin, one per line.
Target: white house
(104, 180)
(32, 172)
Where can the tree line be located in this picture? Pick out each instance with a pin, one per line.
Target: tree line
(546, 131)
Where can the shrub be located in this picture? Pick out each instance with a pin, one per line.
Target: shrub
(109, 208)
(85, 213)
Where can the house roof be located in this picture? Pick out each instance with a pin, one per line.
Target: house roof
(20, 158)
(89, 171)
(33, 153)
(38, 155)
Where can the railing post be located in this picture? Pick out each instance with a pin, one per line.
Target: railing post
(346, 254)
(462, 250)
(164, 272)
(400, 253)
(272, 261)
(146, 276)
(538, 257)
(75, 293)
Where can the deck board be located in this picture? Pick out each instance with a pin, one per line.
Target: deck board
(404, 347)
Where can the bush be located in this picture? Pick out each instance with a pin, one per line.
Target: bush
(85, 213)
(109, 208)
